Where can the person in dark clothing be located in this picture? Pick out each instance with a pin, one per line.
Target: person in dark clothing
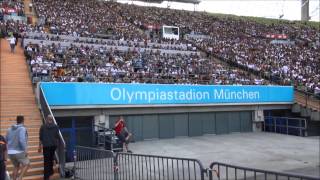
(49, 138)
(3, 157)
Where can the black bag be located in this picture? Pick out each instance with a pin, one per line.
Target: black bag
(69, 173)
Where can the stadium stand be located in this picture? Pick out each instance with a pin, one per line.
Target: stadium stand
(94, 41)
(12, 7)
(244, 43)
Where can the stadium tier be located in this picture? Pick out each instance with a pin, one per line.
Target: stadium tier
(283, 53)
(168, 73)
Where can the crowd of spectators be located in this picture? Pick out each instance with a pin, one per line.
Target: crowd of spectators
(181, 45)
(236, 41)
(9, 26)
(11, 7)
(245, 43)
(56, 63)
(86, 18)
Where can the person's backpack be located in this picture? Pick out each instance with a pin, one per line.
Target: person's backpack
(3, 147)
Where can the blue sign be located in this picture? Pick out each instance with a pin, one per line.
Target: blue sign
(77, 94)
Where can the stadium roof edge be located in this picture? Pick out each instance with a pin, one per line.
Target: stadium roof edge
(183, 1)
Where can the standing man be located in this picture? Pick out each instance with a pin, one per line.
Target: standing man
(12, 41)
(17, 139)
(122, 133)
(49, 138)
(3, 157)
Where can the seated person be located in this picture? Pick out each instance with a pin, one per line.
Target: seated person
(122, 133)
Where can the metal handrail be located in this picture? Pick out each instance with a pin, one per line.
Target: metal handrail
(54, 120)
(275, 125)
(265, 172)
(61, 147)
(308, 100)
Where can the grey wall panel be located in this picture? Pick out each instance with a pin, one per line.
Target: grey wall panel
(134, 124)
(195, 124)
(112, 121)
(150, 127)
(234, 122)
(246, 121)
(166, 125)
(181, 124)
(209, 123)
(222, 122)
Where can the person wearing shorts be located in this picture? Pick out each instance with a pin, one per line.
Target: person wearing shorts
(122, 133)
(17, 140)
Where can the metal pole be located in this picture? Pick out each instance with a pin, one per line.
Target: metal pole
(275, 124)
(287, 125)
(300, 129)
(74, 165)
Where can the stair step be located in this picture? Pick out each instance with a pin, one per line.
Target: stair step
(18, 98)
(13, 114)
(27, 125)
(37, 171)
(27, 120)
(36, 164)
(40, 177)
(30, 133)
(37, 158)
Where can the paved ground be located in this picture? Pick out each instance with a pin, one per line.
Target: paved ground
(257, 150)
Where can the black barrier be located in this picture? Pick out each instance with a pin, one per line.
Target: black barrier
(222, 171)
(93, 164)
(144, 167)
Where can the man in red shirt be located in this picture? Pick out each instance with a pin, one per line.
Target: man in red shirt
(122, 132)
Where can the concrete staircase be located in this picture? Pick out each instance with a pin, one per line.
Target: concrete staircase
(28, 13)
(17, 98)
(306, 106)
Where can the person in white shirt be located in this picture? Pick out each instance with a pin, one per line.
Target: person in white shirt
(30, 7)
(12, 41)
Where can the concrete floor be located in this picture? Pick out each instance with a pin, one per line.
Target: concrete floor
(256, 150)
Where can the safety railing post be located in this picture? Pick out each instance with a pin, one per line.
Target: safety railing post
(300, 127)
(75, 163)
(275, 124)
(287, 125)
(115, 167)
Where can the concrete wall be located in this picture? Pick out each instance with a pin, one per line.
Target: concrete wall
(126, 110)
(305, 10)
(102, 115)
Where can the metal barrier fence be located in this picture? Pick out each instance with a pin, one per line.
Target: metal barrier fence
(95, 164)
(223, 171)
(144, 167)
(98, 164)
(285, 125)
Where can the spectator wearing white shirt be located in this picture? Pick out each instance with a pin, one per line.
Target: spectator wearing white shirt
(12, 41)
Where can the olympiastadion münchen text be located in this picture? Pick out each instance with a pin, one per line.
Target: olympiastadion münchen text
(122, 94)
